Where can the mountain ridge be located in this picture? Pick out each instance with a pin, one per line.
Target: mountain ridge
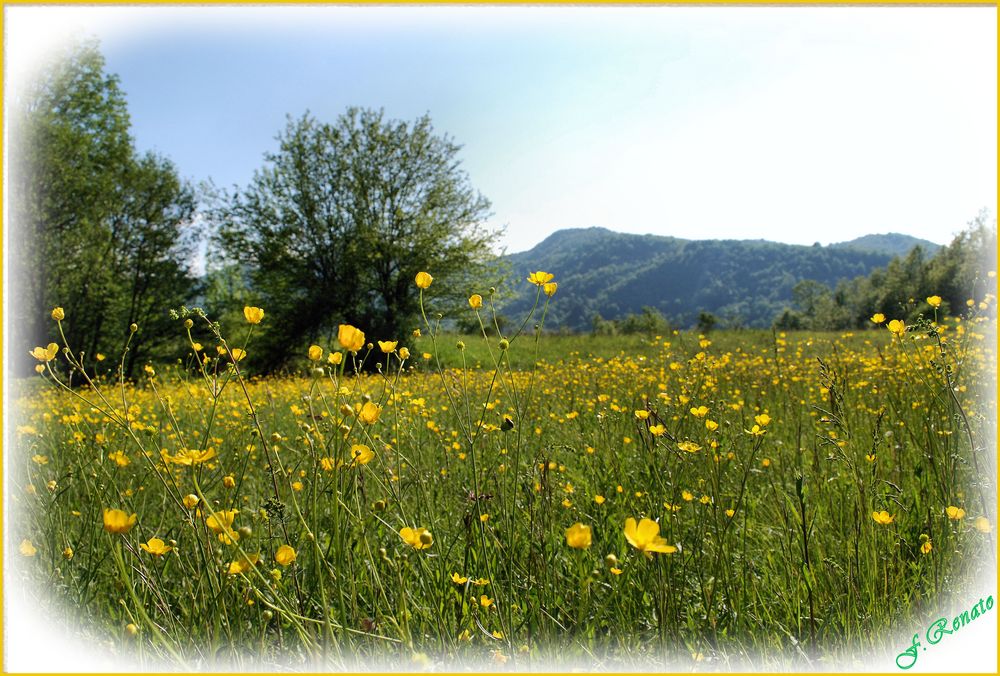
(743, 282)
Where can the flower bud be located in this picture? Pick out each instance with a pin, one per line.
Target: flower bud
(188, 324)
(504, 344)
(133, 327)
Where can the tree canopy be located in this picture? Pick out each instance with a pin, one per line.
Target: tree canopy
(336, 224)
(98, 227)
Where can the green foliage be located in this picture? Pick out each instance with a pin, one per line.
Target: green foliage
(956, 273)
(336, 224)
(100, 228)
(746, 283)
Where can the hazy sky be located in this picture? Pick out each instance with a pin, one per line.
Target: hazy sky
(792, 124)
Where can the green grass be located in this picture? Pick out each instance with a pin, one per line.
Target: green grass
(799, 574)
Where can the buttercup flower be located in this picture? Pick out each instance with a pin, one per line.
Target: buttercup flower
(955, 513)
(883, 518)
(58, 314)
(369, 413)
(418, 538)
(254, 315)
(285, 555)
(361, 454)
(388, 346)
(897, 327)
(243, 564)
(118, 522)
(549, 289)
(540, 278)
(934, 301)
(878, 318)
(155, 546)
(578, 536)
(315, 353)
(423, 280)
(645, 536)
(47, 353)
(475, 301)
(350, 338)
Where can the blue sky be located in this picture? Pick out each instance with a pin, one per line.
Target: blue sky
(792, 124)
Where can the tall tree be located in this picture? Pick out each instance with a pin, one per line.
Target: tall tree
(95, 228)
(340, 219)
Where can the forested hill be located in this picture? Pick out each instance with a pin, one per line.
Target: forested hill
(741, 282)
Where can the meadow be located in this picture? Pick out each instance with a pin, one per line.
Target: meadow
(737, 499)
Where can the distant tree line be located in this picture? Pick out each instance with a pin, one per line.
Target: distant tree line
(957, 273)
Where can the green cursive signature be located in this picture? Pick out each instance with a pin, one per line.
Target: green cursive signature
(939, 628)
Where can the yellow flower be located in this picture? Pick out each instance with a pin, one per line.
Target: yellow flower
(549, 289)
(45, 353)
(934, 301)
(361, 454)
(188, 456)
(689, 446)
(228, 481)
(119, 458)
(540, 278)
(369, 413)
(27, 549)
(155, 546)
(897, 327)
(926, 547)
(388, 346)
(983, 525)
(117, 521)
(578, 536)
(419, 538)
(687, 496)
(475, 301)
(878, 318)
(58, 314)
(423, 280)
(190, 501)
(599, 499)
(40, 459)
(285, 555)
(350, 338)
(315, 353)
(763, 419)
(700, 411)
(404, 354)
(222, 523)
(711, 425)
(254, 315)
(756, 431)
(730, 513)
(642, 414)
(645, 537)
(955, 513)
(243, 564)
(883, 518)
(459, 579)
(335, 358)
(238, 354)
(68, 553)
(657, 430)
(485, 601)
